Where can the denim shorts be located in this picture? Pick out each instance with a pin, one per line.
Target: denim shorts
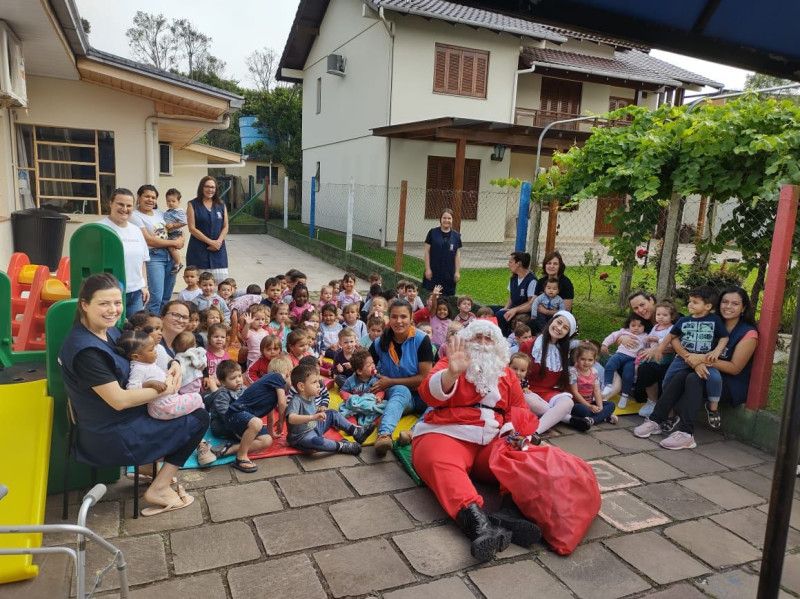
(237, 423)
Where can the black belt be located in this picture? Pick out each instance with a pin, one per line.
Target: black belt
(493, 408)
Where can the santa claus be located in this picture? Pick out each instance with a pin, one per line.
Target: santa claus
(477, 406)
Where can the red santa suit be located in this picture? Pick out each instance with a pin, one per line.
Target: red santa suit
(458, 436)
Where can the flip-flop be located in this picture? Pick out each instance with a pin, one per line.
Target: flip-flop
(182, 502)
(239, 464)
(180, 490)
(145, 478)
(220, 450)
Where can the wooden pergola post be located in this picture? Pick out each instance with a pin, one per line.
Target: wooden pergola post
(458, 181)
(552, 227)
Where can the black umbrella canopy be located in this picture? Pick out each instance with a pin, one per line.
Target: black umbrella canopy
(761, 36)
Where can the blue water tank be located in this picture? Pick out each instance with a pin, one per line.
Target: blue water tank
(250, 131)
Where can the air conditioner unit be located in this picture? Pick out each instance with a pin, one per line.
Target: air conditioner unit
(12, 69)
(336, 64)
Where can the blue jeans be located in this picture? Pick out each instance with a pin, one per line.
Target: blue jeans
(314, 440)
(160, 280)
(399, 400)
(582, 411)
(617, 363)
(133, 303)
(713, 382)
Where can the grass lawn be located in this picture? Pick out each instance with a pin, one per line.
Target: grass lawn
(777, 387)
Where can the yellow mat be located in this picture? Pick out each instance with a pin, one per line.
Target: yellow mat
(633, 407)
(406, 422)
(26, 420)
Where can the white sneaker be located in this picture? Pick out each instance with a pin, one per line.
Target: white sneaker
(679, 440)
(606, 392)
(647, 409)
(647, 428)
(622, 403)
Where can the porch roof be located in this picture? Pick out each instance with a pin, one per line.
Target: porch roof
(517, 138)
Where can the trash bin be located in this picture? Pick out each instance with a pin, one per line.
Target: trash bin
(39, 233)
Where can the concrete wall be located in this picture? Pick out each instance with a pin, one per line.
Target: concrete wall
(249, 170)
(412, 88)
(187, 169)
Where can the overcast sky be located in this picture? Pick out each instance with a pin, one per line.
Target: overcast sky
(240, 26)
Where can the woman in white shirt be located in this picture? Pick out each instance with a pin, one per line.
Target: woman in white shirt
(150, 220)
(134, 247)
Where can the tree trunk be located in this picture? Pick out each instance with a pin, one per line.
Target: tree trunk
(625, 281)
(667, 266)
(552, 228)
(704, 258)
(758, 284)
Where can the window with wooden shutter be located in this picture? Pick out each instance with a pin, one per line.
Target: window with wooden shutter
(560, 97)
(460, 71)
(439, 187)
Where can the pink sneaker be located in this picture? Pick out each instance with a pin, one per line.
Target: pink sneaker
(647, 428)
(679, 440)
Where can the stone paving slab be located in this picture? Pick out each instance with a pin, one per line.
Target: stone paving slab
(103, 519)
(794, 519)
(689, 462)
(211, 477)
(145, 556)
(316, 487)
(239, 501)
(628, 514)
(721, 491)
(442, 549)
(676, 501)
(363, 567)
(202, 585)
(712, 543)
(370, 517)
(53, 581)
(791, 573)
(646, 467)
(611, 478)
(599, 529)
(751, 525)
(584, 446)
(369, 456)
(326, 461)
(519, 579)
(656, 557)
(277, 466)
(212, 546)
(703, 435)
(287, 578)
(624, 441)
(593, 572)
(729, 453)
(681, 590)
(421, 503)
(296, 529)
(736, 584)
(378, 478)
(444, 588)
(750, 480)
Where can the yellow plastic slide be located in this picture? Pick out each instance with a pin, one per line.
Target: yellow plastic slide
(26, 420)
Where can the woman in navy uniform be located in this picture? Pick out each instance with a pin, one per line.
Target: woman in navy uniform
(114, 428)
(207, 218)
(443, 255)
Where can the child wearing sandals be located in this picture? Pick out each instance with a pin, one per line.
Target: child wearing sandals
(243, 416)
(140, 349)
(585, 387)
(307, 426)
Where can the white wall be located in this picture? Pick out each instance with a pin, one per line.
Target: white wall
(412, 88)
(187, 169)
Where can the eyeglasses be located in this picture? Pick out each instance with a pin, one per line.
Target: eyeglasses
(178, 317)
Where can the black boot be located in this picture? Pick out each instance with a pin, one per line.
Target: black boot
(361, 433)
(487, 539)
(523, 532)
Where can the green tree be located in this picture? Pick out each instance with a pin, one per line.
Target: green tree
(152, 40)
(279, 112)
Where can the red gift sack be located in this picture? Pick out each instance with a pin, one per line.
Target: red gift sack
(551, 487)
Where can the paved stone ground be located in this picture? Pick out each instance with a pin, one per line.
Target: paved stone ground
(673, 524)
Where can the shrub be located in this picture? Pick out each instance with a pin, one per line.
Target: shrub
(717, 279)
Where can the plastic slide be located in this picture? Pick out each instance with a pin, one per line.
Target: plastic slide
(26, 419)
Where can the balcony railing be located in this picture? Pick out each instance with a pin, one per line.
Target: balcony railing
(534, 117)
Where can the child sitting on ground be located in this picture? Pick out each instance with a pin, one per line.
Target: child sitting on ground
(634, 327)
(440, 321)
(323, 400)
(174, 221)
(412, 297)
(272, 292)
(140, 349)
(465, 315)
(193, 362)
(209, 297)
(666, 314)
(280, 321)
(191, 276)
(326, 297)
(307, 426)
(351, 321)
(522, 332)
(485, 313)
(297, 345)
(519, 364)
(217, 347)
(293, 278)
(242, 303)
(329, 330)
(375, 290)
(348, 294)
(254, 330)
(380, 308)
(375, 326)
(226, 290)
(546, 304)
(194, 324)
(269, 348)
(243, 418)
(441, 351)
(364, 376)
(585, 387)
(299, 303)
(341, 360)
(208, 318)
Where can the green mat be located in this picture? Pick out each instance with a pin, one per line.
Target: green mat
(403, 453)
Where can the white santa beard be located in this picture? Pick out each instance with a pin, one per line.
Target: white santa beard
(485, 367)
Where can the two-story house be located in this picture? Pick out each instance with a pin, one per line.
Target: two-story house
(427, 90)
